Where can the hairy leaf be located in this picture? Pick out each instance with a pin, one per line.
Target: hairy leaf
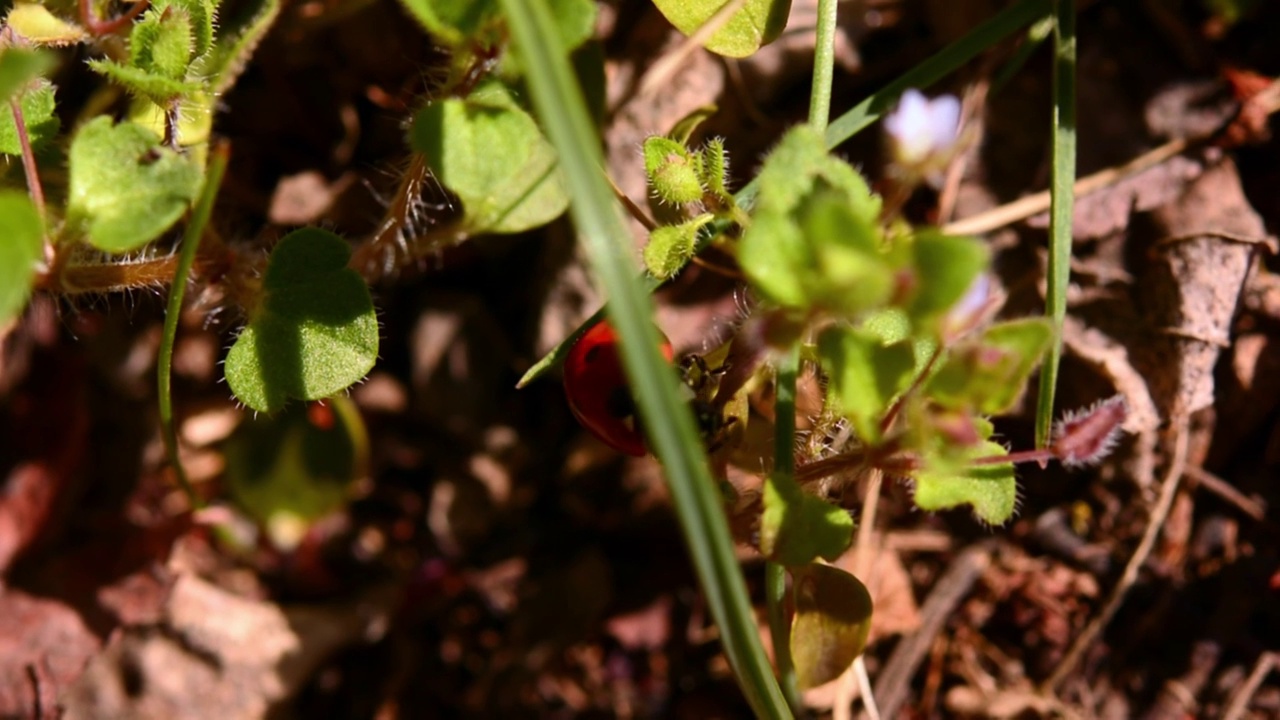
(315, 332)
(20, 244)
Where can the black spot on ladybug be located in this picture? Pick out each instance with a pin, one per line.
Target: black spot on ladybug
(591, 354)
(619, 403)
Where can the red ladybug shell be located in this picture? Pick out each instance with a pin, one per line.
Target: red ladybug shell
(597, 389)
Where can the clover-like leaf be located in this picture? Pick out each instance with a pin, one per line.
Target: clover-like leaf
(759, 22)
(290, 469)
(832, 621)
(797, 527)
(20, 245)
(314, 333)
(988, 374)
(37, 25)
(125, 187)
(991, 489)
(492, 155)
(866, 375)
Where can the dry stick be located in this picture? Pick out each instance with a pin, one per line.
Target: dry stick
(1227, 492)
(1243, 694)
(660, 73)
(1168, 491)
(1023, 208)
(856, 674)
(893, 682)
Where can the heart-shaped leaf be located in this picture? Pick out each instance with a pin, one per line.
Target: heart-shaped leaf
(126, 188)
(492, 155)
(293, 468)
(759, 22)
(20, 235)
(315, 331)
(833, 618)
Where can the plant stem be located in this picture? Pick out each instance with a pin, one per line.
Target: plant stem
(784, 463)
(1061, 206)
(164, 366)
(34, 188)
(824, 60)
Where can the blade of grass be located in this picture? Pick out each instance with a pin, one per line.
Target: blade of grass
(164, 364)
(824, 63)
(668, 422)
(783, 474)
(867, 112)
(1061, 204)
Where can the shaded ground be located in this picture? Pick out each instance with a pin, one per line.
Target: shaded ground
(500, 562)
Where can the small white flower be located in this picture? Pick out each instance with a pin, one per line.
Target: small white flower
(921, 130)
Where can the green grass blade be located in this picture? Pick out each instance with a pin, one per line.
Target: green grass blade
(783, 474)
(670, 428)
(164, 363)
(1060, 208)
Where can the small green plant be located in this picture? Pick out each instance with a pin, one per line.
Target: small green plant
(897, 319)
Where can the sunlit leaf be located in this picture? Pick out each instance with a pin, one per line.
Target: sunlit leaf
(758, 22)
(989, 373)
(492, 155)
(39, 26)
(20, 246)
(126, 188)
(37, 114)
(866, 375)
(315, 332)
(797, 527)
(991, 489)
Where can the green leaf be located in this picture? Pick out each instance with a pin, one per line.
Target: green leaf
(815, 238)
(758, 23)
(832, 621)
(866, 375)
(674, 173)
(125, 187)
(671, 246)
(992, 490)
(945, 268)
(38, 26)
(155, 87)
(492, 155)
(37, 113)
(20, 243)
(291, 469)
(161, 43)
(201, 15)
(18, 67)
(797, 527)
(575, 23)
(315, 332)
(987, 374)
(234, 45)
(455, 22)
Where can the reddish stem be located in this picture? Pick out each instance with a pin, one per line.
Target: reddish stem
(29, 167)
(98, 28)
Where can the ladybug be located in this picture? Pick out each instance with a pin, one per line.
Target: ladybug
(597, 389)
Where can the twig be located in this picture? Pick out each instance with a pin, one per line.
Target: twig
(1168, 491)
(851, 679)
(1243, 694)
(100, 27)
(660, 72)
(1228, 492)
(1025, 207)
(894, 680)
